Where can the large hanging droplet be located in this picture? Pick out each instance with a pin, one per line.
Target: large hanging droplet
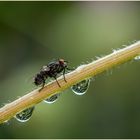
(25, 115)
(52, 99)
(137, 57)
(81, 87)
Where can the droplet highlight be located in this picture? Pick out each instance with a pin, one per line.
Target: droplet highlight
(52, 99)
(81, 87)
(137, 57)
(25, 115)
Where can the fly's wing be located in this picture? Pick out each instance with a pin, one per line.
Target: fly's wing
(45, 68)
(54, 66)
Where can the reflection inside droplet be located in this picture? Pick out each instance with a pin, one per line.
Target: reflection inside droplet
(25, 115)
(81, 87)
(52, 99)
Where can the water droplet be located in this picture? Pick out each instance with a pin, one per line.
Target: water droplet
(52, 99)
(137, 57)
(25, 115)
(81, 87)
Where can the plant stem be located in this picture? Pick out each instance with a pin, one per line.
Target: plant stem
(82, 72)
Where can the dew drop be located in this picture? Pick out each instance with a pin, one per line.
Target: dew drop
(52, 99)
(25, 115)
(81, 87)
(137, 57)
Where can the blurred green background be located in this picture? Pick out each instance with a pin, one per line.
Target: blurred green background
(33, 33)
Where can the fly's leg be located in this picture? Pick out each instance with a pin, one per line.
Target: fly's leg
(70, 69)
(42, 86)
(57, 81)
(66, 68)
(64, 74)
